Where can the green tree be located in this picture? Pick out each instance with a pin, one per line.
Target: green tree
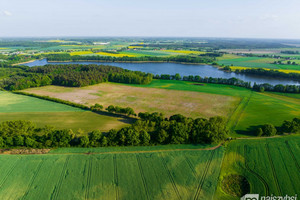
(269, 130)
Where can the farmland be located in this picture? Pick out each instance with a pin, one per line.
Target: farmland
(144, 99)
(247, 109)
(42, 112)
(138, 175)
(270, 165)
(257, 62)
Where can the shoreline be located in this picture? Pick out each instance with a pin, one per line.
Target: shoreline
(30, 61)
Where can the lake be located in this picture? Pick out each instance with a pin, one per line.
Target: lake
(182, 69)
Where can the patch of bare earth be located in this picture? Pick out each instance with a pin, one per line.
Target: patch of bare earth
(24, 151)
(169, 102)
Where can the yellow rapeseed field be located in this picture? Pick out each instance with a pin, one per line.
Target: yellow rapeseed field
(79, 53)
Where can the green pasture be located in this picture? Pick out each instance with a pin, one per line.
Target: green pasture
(254, 108)
(257, 62)
(43, 112)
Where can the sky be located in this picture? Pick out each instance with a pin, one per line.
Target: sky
(161, 18)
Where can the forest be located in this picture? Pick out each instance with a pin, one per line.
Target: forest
(72, 76)
(179, 58)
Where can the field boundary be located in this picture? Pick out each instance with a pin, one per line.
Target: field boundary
(201, 182)
(234, 119)
(134, 152)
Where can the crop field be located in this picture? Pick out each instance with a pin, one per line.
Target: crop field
(253, 109)
(114, 54)
(245, 109)
(139, 53)
(190, 174)
(257, 62)
(185, 51)
(42, 112)
(270, 165)
(145, 99)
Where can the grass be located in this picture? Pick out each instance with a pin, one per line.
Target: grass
(269, 165)
(42, 112)
(141, 99)
(256, 62)
(155, 175)
(244, 109)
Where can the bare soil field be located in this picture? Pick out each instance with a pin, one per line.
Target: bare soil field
(169, 102)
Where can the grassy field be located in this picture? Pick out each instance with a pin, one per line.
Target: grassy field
(191, 174)
(245, 109)
(255, 62)
(169, 102)
(270, 165)
(42, 112)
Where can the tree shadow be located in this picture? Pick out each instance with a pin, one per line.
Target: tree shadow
(249, 132)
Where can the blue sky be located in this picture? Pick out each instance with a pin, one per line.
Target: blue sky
(192, 18)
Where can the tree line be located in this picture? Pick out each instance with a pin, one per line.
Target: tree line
(72, 75)
(150, 129)
(233, 81)
(270, 73)
(288, 126)
(179, 58)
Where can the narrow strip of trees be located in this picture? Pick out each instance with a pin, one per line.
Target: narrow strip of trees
(151, 129)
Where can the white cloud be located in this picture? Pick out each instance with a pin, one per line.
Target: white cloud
(6, 13)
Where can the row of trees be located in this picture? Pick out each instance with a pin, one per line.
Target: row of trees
(234, 81)
(292, 126)
(230, 81)
(179, 58)
(72, 76)
(271, 73)
(151, 129)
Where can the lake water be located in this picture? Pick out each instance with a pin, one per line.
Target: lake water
(182, 69)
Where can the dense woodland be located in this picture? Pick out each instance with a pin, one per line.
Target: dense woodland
(151, 129)
(271, 73)
(180, 58)
(72, 75)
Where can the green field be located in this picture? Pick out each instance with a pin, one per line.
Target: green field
(42, 112)
(249, 109)
(257, 62)
(254, 108)
(270, 165)
(190, 174)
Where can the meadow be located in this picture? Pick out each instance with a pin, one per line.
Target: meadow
(190, 174)
(42, 112)
(270, 165)
(145, 99)
(255, 62)
(245, 109)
